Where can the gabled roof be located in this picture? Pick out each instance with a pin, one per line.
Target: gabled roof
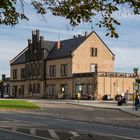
(48, 45)
(103, 42)
(20, 58)
(65, 50)
(67, 47)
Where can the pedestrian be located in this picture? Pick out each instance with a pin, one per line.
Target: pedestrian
(78, 96)
(119, 99)
(137, 102)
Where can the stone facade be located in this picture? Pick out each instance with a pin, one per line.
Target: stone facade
(84, 64)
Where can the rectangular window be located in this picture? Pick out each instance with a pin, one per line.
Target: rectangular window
(14, 91)
(93, 67)
(84, 89)
(52, 70)
(52, 89)
(64, 70)
(93, 52)
(89, 89)
(22, 73)
(15, 74)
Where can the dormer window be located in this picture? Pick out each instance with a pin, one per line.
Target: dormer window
(93, 52)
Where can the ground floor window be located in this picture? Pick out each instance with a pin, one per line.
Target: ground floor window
(21, 91)
(86, 90)
(51, 89)
(34, 89)
(64, 90)
(14, 91)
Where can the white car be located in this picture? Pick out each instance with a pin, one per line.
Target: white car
(6, 96)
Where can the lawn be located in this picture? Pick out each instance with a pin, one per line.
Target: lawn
(17, 104)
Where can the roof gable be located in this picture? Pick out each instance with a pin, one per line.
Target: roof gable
(20, 58)
(103, 43)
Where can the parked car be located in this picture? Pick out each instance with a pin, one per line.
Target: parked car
(6, 96)
(87, 97)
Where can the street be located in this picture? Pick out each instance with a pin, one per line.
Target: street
(61, 122)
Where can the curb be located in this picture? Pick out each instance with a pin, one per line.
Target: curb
(121, 109)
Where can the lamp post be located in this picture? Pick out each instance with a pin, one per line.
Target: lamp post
(114, 88)
(80, 92)
(63, 91)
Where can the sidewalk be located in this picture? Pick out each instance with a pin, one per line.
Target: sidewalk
(96, 104)
(107, 104)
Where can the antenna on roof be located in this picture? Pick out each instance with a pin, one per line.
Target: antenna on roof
(59, 36)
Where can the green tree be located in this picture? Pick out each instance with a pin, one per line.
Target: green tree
(76, 11)
(1, 85)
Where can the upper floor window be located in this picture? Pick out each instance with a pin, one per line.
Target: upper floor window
(52, 70)
(64, 70)
(93, 67)
(93, 52)
(15, 74)
(22, 73)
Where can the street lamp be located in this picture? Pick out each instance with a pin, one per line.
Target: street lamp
(114, 88)
(63, 91)
(80, 92)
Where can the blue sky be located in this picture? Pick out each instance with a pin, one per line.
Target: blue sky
(126, 48)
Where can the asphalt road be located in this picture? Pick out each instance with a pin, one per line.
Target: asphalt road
(15, 126)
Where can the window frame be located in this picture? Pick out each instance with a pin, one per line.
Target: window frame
(14, 73)
(22, 73)
(93, 52)
(64, 69)
(52, 70)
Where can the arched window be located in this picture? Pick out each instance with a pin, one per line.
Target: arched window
(38, 88)
(30, 87)
(34, 88)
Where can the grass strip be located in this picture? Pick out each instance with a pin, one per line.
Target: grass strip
(17, 104)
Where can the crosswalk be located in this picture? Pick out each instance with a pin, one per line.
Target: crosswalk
(49, 134)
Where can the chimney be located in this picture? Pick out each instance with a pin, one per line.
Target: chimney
(37, 34)
(33, 37)
(79, 35)
(33, 32)
(58, 45)
(41, 38)
(86, 34)
(29, 42)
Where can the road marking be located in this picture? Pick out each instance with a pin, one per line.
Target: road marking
(53, 134)
(33, 131)
(75, 134)
(19, 121)
(26, 134)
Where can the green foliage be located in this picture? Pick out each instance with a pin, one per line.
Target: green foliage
(137, 80)
(76, 11)
(17, 104)
(1, 84)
